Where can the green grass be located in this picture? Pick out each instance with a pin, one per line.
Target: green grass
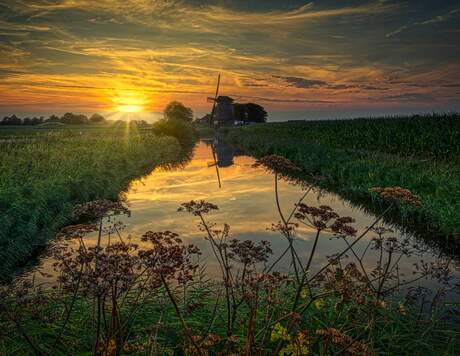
(392, 333)
(44, 173)
(418, 153)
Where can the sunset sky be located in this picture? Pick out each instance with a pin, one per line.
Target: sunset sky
(298, 59)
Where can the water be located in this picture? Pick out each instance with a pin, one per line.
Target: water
(246, 202)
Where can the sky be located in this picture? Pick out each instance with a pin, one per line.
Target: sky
(299, 59)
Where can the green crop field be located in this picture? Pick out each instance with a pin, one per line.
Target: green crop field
(45, 172)
(420, 153)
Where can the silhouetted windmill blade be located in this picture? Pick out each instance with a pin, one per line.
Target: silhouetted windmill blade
(216, 165)
(211, 119)
(211, 122)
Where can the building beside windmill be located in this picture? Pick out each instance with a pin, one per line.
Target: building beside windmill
(225, 111)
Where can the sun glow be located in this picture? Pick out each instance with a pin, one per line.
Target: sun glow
(129, 102)
(129, 108)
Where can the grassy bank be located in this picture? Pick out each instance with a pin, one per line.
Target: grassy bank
(44, 173)
(351, 156)
(157, 330)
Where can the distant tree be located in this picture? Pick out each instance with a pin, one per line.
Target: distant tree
(250, 112)
(37, 120)
(74, 119)
(178, 111)
(96, 118)
(11, 120)
(53, 118)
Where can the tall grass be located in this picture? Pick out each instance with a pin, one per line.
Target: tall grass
(420, 153)
(433, 136)
(44, 176)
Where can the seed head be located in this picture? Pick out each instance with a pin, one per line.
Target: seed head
(398, 194)
(277, 164)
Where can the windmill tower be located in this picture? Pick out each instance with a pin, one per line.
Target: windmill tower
(223, 111)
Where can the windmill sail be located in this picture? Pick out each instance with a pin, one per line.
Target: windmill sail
(211, 122)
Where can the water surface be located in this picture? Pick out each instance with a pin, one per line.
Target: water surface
(246, 202)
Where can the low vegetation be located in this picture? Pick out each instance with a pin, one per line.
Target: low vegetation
(418, 152)
(45, 173)
(149, 295)
(177, 122)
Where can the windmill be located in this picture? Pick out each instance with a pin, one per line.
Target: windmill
(214, 102)
(211, 122)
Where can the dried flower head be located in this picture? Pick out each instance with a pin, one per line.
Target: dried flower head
(100, 208)
(76, 231)
(338, 338)
(277, 164)
(247, 252)
(198, 208)
(398, 194)
(325, 218)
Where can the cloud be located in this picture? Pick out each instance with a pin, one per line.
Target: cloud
(302, 82)
(85, 52)
(436, 19)
(282, 100)
(410, 97)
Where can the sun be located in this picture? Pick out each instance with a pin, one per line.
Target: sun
(129, 102)
(129, 108)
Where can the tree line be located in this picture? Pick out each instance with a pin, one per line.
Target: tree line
(67, 118)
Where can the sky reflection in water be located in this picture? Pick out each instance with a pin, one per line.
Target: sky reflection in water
(246, 202)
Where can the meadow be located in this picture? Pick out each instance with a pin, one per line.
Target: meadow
(45, 172)
(420, 153)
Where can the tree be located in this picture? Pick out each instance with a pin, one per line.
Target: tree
(53, 118)
(256, 113)
(250, 112)
(75, 119)
(12, 120)
(96, 118)
(178, 111)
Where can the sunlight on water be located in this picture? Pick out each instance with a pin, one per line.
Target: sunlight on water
(246, 202)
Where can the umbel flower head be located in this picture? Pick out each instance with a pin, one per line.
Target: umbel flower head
(325, 218)
(76, 231)
(277, 164)
(100, 208)
(398, 194)
(198, 208)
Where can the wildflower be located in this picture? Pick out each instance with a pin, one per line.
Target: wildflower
(402, 309)
(100, 208)
(398, 194)
(380, 304)
(300, 346)
(247, 252)
(277, 164)
(304, 293)
(108, 349)
(325, 218)
(319, 303)
(354, 347)
(76, 231)
(279, 332)
(198, 208)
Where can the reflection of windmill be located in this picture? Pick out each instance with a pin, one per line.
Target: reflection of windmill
(211, 122)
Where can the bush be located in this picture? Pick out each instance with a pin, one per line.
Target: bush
(180, 129)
